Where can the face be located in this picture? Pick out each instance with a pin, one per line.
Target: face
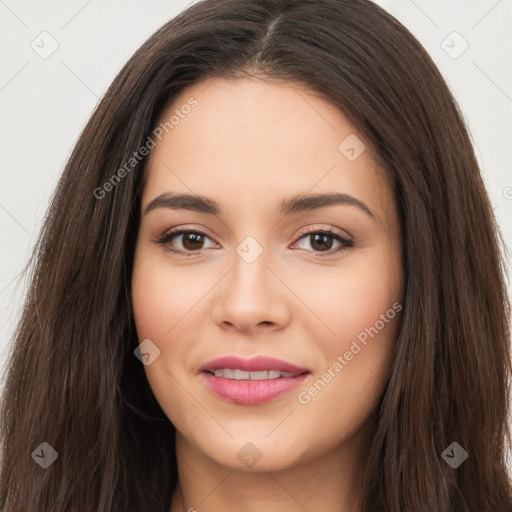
(288, 248)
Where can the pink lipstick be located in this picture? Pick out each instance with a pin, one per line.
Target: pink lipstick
(251, 381)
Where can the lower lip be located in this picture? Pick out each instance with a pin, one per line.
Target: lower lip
(251, 391)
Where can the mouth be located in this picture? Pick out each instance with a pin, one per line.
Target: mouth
(253, 381)
(237, 374)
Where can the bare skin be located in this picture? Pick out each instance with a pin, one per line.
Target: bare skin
(248, 145)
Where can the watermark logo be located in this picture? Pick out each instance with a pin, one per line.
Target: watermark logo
(45, 45)
(454, 45)
(454, 455)
(249, 249)
(249, 455)
(147, 352)
(44, 455)
(351, 147)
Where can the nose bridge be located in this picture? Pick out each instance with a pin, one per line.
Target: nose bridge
(250, 294)
(250, 272)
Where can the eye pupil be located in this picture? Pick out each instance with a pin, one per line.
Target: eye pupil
(195, 239)
(321, 239)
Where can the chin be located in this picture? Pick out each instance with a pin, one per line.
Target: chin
(255, 453)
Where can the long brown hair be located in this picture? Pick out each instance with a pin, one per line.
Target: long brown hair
(73, 380)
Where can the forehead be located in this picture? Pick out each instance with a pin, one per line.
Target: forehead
(259, 140)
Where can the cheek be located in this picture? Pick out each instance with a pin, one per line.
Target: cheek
(361, 306)
(355, 301)
(357, 359)
(347, 388)
(150, 303)
(157, 311)
(161, 297)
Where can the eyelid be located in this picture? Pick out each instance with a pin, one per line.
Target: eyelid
(324, 228)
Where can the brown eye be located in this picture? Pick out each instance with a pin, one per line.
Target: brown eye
(191, 241)
(322, 241)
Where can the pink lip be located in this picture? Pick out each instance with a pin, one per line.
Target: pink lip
(259, 363)
(247, 391)
(251, 392)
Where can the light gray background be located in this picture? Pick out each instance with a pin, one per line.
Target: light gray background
(45, 102)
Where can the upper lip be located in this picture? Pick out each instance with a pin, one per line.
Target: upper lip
(258, 363)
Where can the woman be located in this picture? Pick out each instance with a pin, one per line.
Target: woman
(340, 338)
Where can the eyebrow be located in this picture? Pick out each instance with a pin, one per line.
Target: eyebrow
(300, 203)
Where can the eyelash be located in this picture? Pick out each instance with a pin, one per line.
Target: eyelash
(172, 233)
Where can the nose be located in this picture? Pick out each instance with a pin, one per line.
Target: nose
(251, 297)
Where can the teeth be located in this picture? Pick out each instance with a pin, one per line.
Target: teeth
(228, 373)
(241, 375)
